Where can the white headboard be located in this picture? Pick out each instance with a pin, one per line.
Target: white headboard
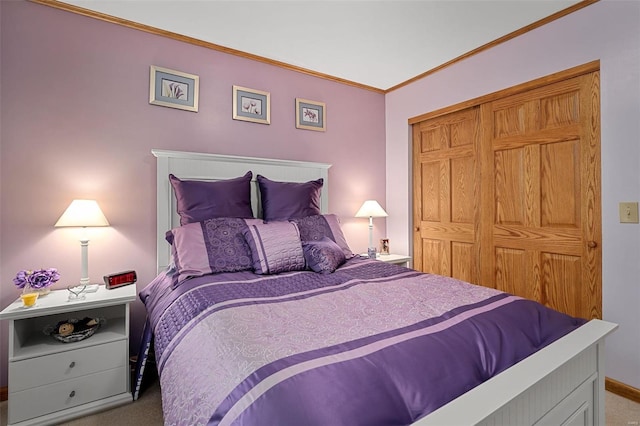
(212, 167)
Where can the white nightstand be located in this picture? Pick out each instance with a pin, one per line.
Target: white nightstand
(51, 381)
(397, 259)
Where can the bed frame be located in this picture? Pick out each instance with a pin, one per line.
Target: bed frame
(560, 384)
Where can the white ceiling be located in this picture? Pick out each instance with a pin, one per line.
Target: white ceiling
(378, 43)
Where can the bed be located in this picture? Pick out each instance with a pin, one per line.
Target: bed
(298, 330)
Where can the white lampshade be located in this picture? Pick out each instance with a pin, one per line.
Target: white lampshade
(82, 213)
(371, 208)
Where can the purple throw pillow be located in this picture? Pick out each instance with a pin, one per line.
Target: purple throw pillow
(287, 200)
(201, 200)
(317, 227)
(211, 246)
(275, 247)
(323, 256)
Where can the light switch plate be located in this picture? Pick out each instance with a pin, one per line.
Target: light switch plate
(629, 212)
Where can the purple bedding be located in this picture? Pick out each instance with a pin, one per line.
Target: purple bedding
(370, 344)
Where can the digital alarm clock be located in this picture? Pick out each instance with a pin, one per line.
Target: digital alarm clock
(120, 279)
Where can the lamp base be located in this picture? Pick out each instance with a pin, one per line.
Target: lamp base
(371, 252)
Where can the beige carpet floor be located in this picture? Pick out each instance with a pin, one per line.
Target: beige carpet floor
(147, 411)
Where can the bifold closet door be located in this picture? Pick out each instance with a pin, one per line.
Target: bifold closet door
(506, 193)
(446, 199)
(542, 163)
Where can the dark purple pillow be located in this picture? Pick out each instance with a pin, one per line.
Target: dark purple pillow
(317, 227)
(323, 256)
(201, 200)
(211, 246)
(288, 200)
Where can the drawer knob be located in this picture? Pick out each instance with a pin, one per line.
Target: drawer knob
(72, 394)
(73, 364)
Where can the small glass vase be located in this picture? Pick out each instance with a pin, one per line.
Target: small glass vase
(41, 291)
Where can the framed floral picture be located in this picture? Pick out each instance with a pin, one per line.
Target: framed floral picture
(311, 115)
(251, 105)
(173, 89)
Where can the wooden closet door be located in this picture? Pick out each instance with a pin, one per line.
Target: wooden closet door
(541, 195)
(446, 195)
(506, 191)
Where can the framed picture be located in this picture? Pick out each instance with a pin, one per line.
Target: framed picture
(251, 105)
(173, 89)
(310, 115)
(384, 246)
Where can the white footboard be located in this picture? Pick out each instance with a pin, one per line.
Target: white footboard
(560, 384)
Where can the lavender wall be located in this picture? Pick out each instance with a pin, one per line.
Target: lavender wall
(609, 31)
(76, 123)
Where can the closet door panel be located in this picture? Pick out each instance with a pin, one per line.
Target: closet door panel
(544, 155)
(510, 272)
(561, 281)
(560, 184)
(435, 256)
(446, 203)
(430, 176)
(509, 186)
(464, 261)
(462, 189)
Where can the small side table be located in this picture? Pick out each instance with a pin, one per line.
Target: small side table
(51, 381)
(397, 259)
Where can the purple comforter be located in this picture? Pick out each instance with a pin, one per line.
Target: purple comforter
(371, 344)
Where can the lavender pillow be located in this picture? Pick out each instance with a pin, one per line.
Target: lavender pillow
(211, 246)
(323, 256)
(315, 228)
(286, 200)
(275, 247)
(200, 200)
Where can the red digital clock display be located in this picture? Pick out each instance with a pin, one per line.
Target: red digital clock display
(120, 279)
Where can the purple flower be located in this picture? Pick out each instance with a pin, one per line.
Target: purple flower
(39, 279)
(21, 278)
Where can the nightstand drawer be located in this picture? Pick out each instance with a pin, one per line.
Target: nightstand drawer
(66, 394)
(44, 370)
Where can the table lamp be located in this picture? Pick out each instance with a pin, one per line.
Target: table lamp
(371, 209)
(83, 213)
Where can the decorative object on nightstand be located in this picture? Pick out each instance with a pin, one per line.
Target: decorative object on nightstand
(83, 214)
(35, 283)
(74, 330)
(371, 209)
(29, 299)
(120, 279)
(384, 246)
